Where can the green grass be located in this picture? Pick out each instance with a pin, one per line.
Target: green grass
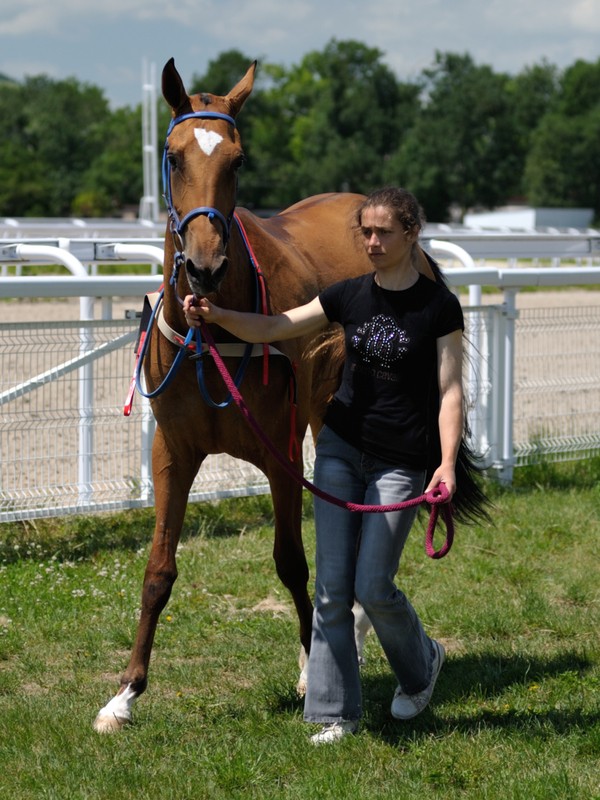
(515, 713)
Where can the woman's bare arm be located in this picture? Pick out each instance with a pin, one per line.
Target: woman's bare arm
(451, 408)
(251, 327)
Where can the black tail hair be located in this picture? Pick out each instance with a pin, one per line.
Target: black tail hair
(470, 501)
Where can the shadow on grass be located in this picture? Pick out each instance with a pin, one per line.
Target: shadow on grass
(478, 681)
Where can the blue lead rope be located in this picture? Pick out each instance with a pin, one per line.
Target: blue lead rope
(176, 361)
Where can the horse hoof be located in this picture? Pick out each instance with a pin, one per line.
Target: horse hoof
(117, 713)
(109, 723)
(303, 679)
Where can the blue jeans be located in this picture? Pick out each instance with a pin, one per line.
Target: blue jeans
(357, 556)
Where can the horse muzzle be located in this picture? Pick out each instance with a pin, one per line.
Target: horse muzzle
(208, 279)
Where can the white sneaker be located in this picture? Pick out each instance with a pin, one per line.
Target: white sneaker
(407, 706)
(334, 731)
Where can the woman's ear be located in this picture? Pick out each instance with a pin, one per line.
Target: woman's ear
(412, 234)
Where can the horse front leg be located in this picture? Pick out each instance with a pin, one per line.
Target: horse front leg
(172, 484)
(290, 558)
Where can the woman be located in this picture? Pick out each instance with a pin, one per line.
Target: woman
(403, 339)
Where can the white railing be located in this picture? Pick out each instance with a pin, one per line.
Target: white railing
(490, 379)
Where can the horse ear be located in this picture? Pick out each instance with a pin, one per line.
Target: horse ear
(241, 91)
(173, 89)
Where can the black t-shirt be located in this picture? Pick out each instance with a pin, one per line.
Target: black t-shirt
(382, 405)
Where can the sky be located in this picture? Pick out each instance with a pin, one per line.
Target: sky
(117, 44)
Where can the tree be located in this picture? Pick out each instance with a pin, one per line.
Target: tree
(64, 123)
(114, 178)
(222, 73)
(24, 183)
(461, 148)
(339, 117)
(52, 134)
(563, 165)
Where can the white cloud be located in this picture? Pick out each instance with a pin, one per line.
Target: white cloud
(585, 15)
(24, 21)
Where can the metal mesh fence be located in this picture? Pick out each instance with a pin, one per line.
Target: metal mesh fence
(557, 383)
(63, 436)
(66, 447)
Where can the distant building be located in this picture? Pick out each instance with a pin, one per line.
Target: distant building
(526, 218)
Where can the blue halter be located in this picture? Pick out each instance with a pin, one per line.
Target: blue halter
(177, 225)
(191, 346)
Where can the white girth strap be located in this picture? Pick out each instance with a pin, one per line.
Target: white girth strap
(226, 349)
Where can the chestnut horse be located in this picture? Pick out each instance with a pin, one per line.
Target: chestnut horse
(299, 251)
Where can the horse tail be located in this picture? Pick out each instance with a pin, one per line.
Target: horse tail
(470, 502)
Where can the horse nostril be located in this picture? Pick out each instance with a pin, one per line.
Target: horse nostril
(205, 280)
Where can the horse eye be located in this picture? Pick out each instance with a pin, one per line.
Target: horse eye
(172, 159)
(238, 162)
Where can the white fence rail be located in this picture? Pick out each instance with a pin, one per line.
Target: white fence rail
(65, 446)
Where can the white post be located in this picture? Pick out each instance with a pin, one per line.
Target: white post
(149, 202)
(61, 255)
(507, 459)
(475, 359)
(86, 405)
(148, 428)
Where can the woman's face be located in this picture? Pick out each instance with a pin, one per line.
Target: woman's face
(384, 237)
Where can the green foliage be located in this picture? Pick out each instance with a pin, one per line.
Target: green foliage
(222, 73)
(459, 135)
(544, 474)
(563, 167)
(64, 150)
(514, 714)
(114, 177)
(461, 147)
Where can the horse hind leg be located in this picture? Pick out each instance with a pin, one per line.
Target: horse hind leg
(362, 626)
(117, 712)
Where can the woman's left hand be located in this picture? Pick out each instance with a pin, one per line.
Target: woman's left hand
(445, 475)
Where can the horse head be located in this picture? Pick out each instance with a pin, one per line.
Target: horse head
(203, 152)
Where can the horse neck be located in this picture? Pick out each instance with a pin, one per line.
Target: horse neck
(239, 288)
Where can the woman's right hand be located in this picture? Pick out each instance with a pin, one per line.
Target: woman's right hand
(196, 309)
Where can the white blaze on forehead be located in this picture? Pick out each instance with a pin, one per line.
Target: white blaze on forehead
(207, 140)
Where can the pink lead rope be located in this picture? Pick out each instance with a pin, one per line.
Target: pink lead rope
(436, 497)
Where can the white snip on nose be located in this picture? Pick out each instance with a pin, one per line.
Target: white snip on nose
(207, 140)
